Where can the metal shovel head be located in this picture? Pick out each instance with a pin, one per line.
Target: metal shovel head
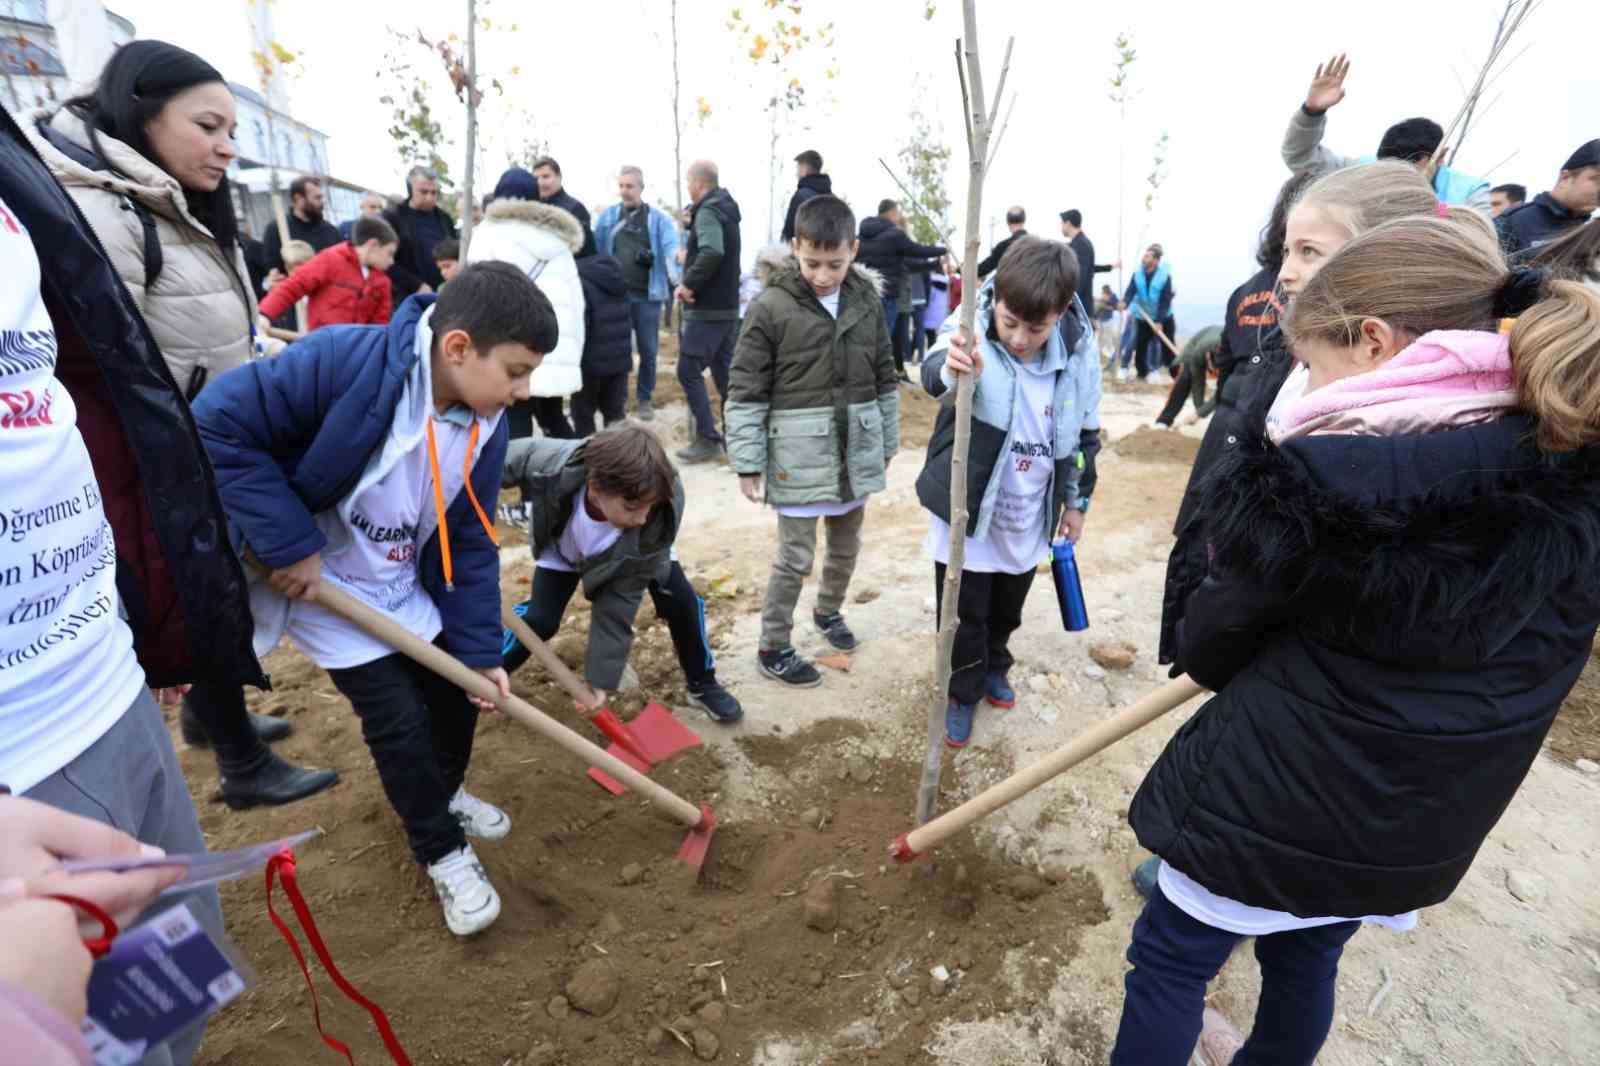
(660, 734)
(694, 847)
(611, 784)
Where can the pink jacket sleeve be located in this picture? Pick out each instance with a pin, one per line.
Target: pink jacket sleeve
(32, 1032)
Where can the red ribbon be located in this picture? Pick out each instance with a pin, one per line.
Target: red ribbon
(282, 864)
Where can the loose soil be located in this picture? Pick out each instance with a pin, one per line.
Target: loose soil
(1029, 914)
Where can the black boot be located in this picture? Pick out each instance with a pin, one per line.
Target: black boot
(267, 728)
(272, 783)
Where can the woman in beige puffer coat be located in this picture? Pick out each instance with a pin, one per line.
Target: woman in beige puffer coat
(141, 145)
(145, 157)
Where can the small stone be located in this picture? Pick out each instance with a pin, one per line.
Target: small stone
(714, 1014)
(1094, 672)
(811, 817)
(867, 595)
(700, 1000)
(1528, 887)
(594, 987)
(966, 959)
(1039, 683)
(859, 767)
(558, 1008)
(706, 1044)
(655, 1039)
(912, 995)
(1047, 713)
(1056, 872)
(813, 977)
(540, 1054)
(611, 925)
(1114, 654)
(938, 981)
(1024, 887)
(822, 905)
(632, 873)
(1587, 766)
(927, 605)
(683, 1023)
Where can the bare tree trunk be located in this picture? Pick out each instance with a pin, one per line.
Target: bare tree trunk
(980, 123)
(677, 123)
(472, 126)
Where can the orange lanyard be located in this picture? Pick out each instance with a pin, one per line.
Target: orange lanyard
(438, 498)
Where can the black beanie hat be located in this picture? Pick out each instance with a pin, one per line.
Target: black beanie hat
(517, 184)
(1587, 155)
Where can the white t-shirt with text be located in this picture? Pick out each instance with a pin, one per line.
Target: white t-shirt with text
(584, 538)
(67, 669)
(1018, 535)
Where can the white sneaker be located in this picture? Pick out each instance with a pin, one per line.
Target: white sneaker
(470, 902)
(479, 819)
(1122, 373)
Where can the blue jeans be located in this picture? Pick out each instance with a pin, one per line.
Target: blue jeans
(646, 318)
(1174, 956)
(891, 311)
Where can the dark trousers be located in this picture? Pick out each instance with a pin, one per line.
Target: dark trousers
(221, 710)
(900, 337)
(646, 318)
(607, 394)
(1147, 348)
(676, 602)
(419, 728)
(919, 339)
(988, 611)
(551, 414)
(891, 311)
(1182, 389)
(1174, 956)
(702, 345)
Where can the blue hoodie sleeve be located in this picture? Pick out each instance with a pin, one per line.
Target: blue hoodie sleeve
(253, 416)
(471, 614)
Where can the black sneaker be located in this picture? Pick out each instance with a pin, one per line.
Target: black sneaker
(833, 627)
(786, 665)
(716, 701)
(701, 451)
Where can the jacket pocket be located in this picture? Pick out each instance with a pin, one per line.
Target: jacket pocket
(802, 455)
(864, 450)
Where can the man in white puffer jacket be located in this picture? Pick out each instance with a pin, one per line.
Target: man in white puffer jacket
(540, 240)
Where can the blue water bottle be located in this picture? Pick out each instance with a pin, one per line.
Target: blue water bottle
(1069, 589)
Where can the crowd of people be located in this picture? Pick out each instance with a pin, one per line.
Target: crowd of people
(1384, 564)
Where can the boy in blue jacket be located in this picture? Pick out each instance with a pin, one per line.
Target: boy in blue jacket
(334, 462)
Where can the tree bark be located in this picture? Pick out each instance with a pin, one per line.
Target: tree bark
(467, 193)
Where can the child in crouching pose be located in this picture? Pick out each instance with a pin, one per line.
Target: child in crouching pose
(1404, 584)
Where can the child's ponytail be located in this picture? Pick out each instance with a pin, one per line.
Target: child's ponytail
(1555, 357)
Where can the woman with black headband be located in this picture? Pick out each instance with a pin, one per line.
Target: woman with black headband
(145, 157)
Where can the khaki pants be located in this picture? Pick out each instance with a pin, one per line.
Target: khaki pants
(797, 548)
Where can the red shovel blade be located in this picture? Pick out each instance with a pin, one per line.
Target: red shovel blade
(660, 734)
(693, 849)
(611, 784)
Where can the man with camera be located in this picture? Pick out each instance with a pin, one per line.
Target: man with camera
(645, 242)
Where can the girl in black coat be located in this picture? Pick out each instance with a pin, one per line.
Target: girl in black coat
(1400, 596)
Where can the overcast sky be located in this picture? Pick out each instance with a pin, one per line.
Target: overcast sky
(594, 80)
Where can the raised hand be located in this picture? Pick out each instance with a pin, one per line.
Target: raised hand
(1327, 85)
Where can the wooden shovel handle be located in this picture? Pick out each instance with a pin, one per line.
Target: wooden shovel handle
(1091, 741)
(548, 659)
(451, 669)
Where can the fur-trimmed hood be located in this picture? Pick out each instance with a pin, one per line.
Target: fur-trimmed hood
(1433, 548)
(543, 216)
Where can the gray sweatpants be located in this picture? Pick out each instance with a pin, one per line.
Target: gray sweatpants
(130, 779)
(797, 549)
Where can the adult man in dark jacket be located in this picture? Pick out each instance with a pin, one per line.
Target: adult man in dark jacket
(710, 295)
(548, 172)
(1016, 221)
(420, 224)
(305, 223)
(1550, 214)
(1083, 248)
(885, 248)
(813, 182)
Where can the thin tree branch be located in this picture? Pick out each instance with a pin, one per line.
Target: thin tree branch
(994, 149)
(966, 100)
(1000, 86)
(912, 201)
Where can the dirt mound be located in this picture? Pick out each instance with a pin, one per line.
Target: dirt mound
(1149, 445)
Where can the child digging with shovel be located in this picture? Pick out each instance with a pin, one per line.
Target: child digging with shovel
(604, 513)
(1402, 591)
(361, 457)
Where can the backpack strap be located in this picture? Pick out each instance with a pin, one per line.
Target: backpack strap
(153, 260)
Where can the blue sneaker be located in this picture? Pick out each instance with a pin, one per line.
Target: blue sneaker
(998, 692)
(1144, 876)
(716, 701)
(958, 724)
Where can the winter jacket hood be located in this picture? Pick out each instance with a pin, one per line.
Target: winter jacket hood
(199, 307)
(183, 588)
(540, 240)
(1390, 624)
(549, 474)
(813, 401)
(292, 437)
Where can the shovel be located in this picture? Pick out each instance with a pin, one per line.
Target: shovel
(1092, 741)
(653, 736)
(700, 820)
